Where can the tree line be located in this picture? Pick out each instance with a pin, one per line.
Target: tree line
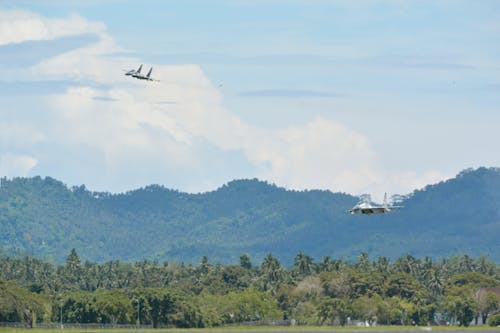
(406, 291)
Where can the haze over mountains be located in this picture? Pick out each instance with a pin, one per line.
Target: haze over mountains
(42, 216)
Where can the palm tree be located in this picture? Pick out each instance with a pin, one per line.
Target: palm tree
(325, 264)
(272, 272)
(407, 264)
(466, 264)
(424, 270)
(435, 282)
(363, 263)
(484, 266)
(303, 264)
(383, 266)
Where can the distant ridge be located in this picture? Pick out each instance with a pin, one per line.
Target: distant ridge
(43, 217)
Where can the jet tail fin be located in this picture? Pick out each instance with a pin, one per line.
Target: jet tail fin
(139, 69)
(149, 73)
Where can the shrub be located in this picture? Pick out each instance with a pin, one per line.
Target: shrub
(494, 320)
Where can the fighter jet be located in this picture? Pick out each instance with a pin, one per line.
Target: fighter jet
(366, 206)
(147, 77)
(132, 72)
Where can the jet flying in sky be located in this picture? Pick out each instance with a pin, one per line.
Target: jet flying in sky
(138, 75)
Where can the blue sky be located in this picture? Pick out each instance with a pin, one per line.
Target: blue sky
(353, 96)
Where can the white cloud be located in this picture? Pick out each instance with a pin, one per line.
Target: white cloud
(122, 127)
(133, 136)
(87, 63)
(132, 122)
(321, 154)
(15, 134)
(405, 181)
(17, 26)
(16, 165)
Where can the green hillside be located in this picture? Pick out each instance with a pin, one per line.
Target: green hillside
(42, 216)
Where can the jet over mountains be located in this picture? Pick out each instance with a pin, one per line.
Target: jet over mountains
(42, 216)
(367, 207)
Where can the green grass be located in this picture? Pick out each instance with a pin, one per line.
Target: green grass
(256, 329)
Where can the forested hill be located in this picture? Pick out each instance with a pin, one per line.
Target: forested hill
(42, 216)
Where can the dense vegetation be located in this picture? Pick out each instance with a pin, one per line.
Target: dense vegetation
(329, 292)
(43, 217)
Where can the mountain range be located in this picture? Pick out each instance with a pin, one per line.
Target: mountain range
(44, 217)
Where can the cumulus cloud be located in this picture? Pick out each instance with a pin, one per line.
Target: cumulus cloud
(320, 154)
(16, 165)
(17, 26)
(404, 181)
(114, 132)
(21, 136)
(90, 63)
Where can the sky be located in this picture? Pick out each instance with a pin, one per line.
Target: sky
(348, 96)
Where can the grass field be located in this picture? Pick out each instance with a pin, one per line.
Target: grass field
(294, 329)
